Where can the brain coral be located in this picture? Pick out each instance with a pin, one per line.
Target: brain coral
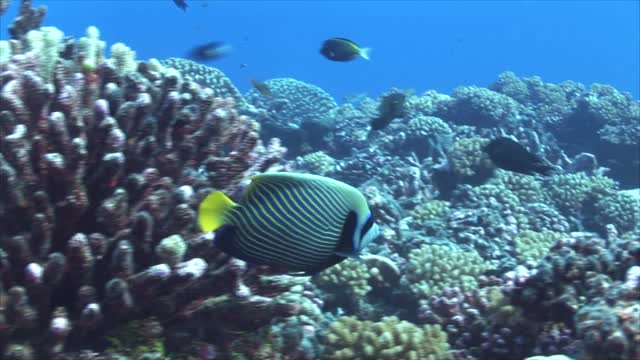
(389, 339)
(426, 104)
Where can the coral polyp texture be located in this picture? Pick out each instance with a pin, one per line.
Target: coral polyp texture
(391, 338)
(105, 158)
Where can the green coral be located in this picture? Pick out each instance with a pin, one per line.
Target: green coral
(432, 268)
(350, 274)
(389, 339)
(528, 189)
(570, 192)
(318, 163)
(622, 209)
(434, 210)
(495, 196)
(138, 338)
(467, 158)
(533, 245)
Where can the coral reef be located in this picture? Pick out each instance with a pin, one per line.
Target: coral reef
(467, 159)
(621, 209)
(432, 268)
(471, 105)
(104, 160)
(318, 163)
(532, 246)
(207, 77)
(299, 113)
(391, 338)
(588, 284)
(103, 164)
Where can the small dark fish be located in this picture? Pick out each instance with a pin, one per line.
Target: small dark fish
(243, 65)
(181, 4)
(340, 49)
(210, 51)
(510, 155)
(391, 107)
(262, 88)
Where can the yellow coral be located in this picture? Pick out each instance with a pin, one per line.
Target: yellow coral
(434, 210)
(317, 163)
(468, 159)
(433, 268)
(350, 273)
(533, 245)
(349, 339)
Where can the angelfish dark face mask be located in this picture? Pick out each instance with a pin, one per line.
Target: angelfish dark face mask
(368, 233)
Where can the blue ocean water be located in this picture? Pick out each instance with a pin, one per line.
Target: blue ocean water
(416, 44)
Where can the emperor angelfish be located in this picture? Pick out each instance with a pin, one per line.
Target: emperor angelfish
(295, 222)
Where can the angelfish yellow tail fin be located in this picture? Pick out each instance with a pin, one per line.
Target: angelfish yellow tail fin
(212, 209)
